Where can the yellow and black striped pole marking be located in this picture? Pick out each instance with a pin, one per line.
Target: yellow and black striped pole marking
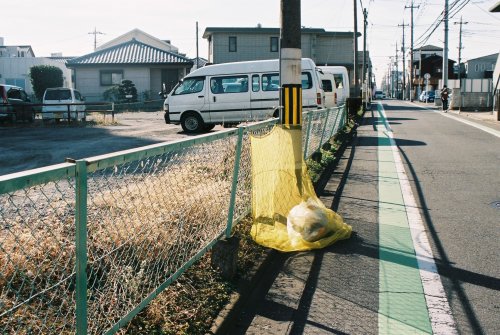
(291, 97)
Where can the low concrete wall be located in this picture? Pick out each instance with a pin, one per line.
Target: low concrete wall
(471, 100)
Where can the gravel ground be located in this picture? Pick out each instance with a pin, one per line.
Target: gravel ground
(37, 145)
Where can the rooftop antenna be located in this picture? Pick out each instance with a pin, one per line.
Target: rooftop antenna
(95, 33)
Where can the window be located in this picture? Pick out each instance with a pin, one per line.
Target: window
(271, 82)
(78, 96)
(190, 85)
(339, 80)
(476, 67)
(14, 94)
(274, 44)
(16, 82)
(327, 85)
(232, 44)
(230, 84)
(255, 83)
(111, 77)
(60, 94)
(306, 79)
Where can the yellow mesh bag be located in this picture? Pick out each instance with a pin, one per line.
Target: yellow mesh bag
(279, 184)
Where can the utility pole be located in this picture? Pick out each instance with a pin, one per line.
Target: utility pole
(445, 51)
(290, 79)
(411, 49)
(460, 58)
(460, 49)
(404, 60)
(391, 76)
(366, 90)
(397, 73)
(95, 33)
(356, 75)
(197, 50)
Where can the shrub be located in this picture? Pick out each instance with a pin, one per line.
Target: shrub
(43, 77)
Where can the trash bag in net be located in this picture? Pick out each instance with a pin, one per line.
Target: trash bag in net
(287, 214)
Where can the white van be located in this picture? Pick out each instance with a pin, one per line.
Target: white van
(57, 100)
(231, 93)
(329, 88)
(341, 80)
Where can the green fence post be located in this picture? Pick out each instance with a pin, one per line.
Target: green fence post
(234, 186)
(324, 128)
(308, 133)
(81, 247)
(333, 132)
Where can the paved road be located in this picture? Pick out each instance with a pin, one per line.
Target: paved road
(33, 146)
(431, 170)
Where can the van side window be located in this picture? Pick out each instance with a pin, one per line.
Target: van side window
(77, 95)
(229, 84)
(190, 85)
(255, 83)
(338, 80)
(306, 79)
(271, 82)
(327, 85)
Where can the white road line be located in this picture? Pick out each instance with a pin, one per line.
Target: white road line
(437, 303)
(470, 123)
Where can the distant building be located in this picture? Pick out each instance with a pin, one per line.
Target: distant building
(481, 67)
(429, 60)
(16, 61)
(151, 64)
(233, 44)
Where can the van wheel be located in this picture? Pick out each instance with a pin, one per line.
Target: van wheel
(192, 123)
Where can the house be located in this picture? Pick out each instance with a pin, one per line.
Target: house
(233, 44)
(481, 67)
(151, 64)
(16, 61)
(429, 60)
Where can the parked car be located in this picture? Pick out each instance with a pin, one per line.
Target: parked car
(379, 95)
(427, 96)
(341, 78)
(232, 93)
(56, 102)
(15, 104)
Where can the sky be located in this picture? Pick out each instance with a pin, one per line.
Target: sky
(52, 26)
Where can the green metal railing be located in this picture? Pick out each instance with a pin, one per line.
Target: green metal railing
(86, 245)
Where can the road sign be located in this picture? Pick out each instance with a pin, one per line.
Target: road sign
(427, 76)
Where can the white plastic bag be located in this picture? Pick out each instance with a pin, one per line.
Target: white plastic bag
(307, 221)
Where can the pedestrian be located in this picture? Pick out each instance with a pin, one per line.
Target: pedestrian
(444, 98)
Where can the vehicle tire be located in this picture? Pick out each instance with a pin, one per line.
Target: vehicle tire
(192, 123)
(209, 127)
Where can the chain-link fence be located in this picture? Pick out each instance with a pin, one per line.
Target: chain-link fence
(85, 246)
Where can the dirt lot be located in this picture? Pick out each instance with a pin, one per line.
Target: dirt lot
(32, 146)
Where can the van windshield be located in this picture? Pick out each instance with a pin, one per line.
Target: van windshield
(58, 95)
(190, 85)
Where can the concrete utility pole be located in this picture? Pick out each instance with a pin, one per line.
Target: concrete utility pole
(95, 33)
(460, 58)
(411, 49)
(404, 60)
(364, 81)
(445, 50)
(197, 50)
(397, 73)
(356, 75)
(290, 79)
(460, 49)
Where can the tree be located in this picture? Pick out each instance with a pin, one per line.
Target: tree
(43, 77)
(127, 88)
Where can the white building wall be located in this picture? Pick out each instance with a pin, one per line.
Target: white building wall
(19, 67)
(88, 80)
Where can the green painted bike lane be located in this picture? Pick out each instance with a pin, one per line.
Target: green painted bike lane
(402, 304)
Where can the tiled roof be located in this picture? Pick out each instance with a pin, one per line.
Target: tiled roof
(131, 52)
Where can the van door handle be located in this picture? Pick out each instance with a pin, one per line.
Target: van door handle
(215, 99)
(201, 96)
